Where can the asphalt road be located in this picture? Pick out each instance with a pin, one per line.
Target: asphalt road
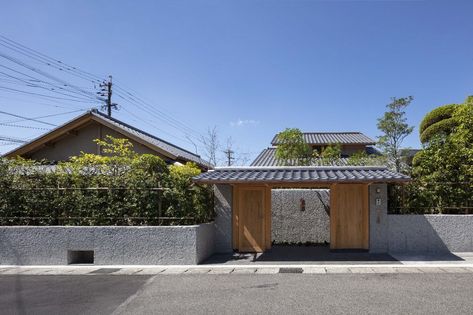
(239, 294)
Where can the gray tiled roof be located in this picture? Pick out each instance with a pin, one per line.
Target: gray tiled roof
(308, 174)
(332, 137)
(267, 157)
(171, 149)
(164, 145)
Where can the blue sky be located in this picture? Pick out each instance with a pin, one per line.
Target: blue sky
(251, 68)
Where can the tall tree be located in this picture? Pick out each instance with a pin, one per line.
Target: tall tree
(292, 149)
(395, 129)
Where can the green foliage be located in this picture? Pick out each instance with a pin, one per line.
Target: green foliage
(120, 188)
(361, 158)
(443, 170)
(185, 199)
(332, 152)
(395, 129)
(441, 128)
(438, 122)
(292, 149)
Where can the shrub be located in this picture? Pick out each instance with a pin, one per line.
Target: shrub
(436, 115)
(121, 188)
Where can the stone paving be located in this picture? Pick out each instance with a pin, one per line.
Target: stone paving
(236, 270)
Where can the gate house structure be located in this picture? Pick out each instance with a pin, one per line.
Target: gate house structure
(358, 200)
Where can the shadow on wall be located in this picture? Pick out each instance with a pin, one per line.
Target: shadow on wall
(430, 234)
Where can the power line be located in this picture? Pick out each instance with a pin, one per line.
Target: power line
(43, 95)
(22, 126)
(150, 107)
(50, 89)
(47, 75)
(153, 126)
(10, 139)
(34, 82)
(131, 98)
(47, 60)
(27, 118)
(46, 116)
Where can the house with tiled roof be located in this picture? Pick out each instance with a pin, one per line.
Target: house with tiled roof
(269, 203)
(77, 135)
(350, 143)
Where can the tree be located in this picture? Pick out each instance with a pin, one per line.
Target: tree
(211, 145)
(233, 156)
(438, 122)
(331, 154)
(292, 149)
(395, 129)
(443, 169)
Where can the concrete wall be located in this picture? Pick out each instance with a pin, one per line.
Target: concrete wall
(112, 245)
(430, 233)
(223, 218)
(291, 225)
(378, 218)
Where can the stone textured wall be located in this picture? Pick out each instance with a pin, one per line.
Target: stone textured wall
(291, 225)
(223, 218)
(112, 245)
(205, 241)
(378, 218)
(430, 233)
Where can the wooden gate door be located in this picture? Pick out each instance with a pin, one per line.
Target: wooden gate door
(349, 216)
(251, 219)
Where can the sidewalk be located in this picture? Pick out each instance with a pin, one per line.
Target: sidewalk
(403, 264)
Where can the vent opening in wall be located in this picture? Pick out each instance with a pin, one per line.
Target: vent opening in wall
(80, 257)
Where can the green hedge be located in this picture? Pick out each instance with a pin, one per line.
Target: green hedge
(126, 189)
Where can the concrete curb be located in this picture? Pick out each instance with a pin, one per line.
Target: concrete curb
(235, 269)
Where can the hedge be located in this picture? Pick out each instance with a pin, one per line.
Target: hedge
(127, 189)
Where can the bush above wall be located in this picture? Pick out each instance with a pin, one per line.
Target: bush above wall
(118, 188)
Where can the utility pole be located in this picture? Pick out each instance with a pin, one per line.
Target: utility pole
(107, 91)
(229, 153)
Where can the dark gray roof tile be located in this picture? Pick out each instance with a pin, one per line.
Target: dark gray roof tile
(322, 138)
(267, 157)
(307, 174)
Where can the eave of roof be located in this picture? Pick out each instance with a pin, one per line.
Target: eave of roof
(298, 174)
